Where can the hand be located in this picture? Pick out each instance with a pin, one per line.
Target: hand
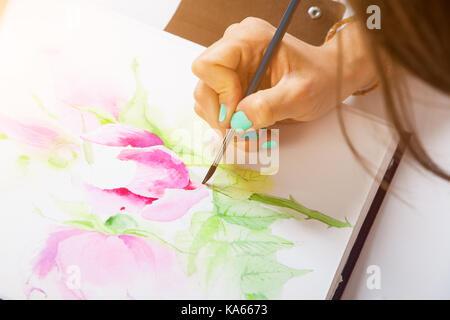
(300, 83)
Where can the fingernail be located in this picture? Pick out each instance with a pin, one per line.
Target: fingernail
(222, 112)
(239, 121)
(250, 135)
(269, 144)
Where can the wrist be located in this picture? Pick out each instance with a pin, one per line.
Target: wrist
(358, 70)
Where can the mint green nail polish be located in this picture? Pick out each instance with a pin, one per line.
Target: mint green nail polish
(250, 135)
(222, 112)
(239, 121)
(269, 144)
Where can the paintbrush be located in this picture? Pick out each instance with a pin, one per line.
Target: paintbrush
(260, 72)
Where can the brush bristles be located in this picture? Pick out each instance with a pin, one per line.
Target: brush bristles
(210, 173)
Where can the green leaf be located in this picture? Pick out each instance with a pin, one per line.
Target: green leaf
(292, 204)
(207, 231)
(218, 254)
(3, 136)
(82, 225)
(245, 213)
(81, 212)
(255, 296)
(185, 238)
(149, 234)
(257, 243)
(74, 209)
(138, 233)
(256, 223)
(88, 152)
(62, 159)
(43, 108)
(23, 161)
(102, 115)
(134, 113)
(237, 238)
(87, 146)
(240, 183)
(197, 220)
(266, 276)
(121, 222)
(244, 242)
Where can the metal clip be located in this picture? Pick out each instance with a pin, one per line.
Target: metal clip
(314, 12)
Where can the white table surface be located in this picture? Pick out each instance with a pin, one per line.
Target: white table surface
(410, 239)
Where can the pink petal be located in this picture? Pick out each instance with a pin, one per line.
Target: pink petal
(100, 257)
(31, 133)
(159, 255)
(192, 186)
(46, 258)
(157, 169)
(119, 135)
(50, 287)
(170, 277)
(108, 267)
(174, 204)
(112, 201)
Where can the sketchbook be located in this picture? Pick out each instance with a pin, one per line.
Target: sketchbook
(101, 161)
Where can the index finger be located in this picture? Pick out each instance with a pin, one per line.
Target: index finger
(217, 68)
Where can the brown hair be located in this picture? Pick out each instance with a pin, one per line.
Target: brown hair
(414, 34)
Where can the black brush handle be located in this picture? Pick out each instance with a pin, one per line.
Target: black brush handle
(273, 46)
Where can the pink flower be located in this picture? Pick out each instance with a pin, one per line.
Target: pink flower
(161, 189)
(34, 133)
(41, 138)
(78, 264)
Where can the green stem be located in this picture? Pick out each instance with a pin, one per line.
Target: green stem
(87, 146)
(291, 203)
(145, 233)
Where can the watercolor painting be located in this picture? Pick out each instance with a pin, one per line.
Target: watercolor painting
(115, 242)
(101, 169)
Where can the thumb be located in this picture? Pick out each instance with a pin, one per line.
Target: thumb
(265, 107)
